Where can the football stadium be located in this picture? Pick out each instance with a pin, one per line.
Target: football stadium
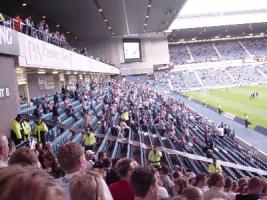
(133, 100)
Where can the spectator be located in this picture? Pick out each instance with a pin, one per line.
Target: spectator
(144, 183)
(179, 185)
(228, 189)
(17, 23)
(101, 156)
(201, 182)
(165, 179)
(192, 193)
(88, 186)
(72, 160)
(52, 166)
(24, 156)
(56, 98)
(21, 183)
(112, 175)
(255, 187)
(89, 158)
(56, 115)
(122, 190)
(216, 184)
(3, 151)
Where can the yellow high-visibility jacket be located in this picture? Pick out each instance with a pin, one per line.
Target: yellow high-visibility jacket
(155, 158)
(125, 116)
(27, 129)
(40, 129)
(215, 168)
(89, 140)
(15, 128)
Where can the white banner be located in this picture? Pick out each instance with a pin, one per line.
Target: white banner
(37, 53)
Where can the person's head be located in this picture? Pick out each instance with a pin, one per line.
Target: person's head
(39, 120)
(214, 161)
(164, 170)
(243, 182)
(50, 161)
(144, 182)
(71, 157)
(180, 184)
(228, 184)
(176, 174)
(192, 193)
(106, 163)
(255, 185)
(89, 155)
(27, 182)
(235, 186)
(217, 180)
(125, 167)
(24, 156)
(19, 118)
(86, 186)
(101, 155)
(200, 180)
(4, 150)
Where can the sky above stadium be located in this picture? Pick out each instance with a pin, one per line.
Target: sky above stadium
(222, 12)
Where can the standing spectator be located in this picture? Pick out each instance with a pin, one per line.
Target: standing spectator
(228, 188)
(255, 187)
(56, 115)
(89, 158)
(88, 186)
(112, 175)
(192, 193)
(52, 166)
(122, 190)
(28, 26)
(179, 185)
(71, 159)
(3, 151)
(216, 184)
(40, 132)
(24, 156)
(22, 183)
(201, 182)
(56, 98)
(144, 183)
(165, 179)
(17, 23)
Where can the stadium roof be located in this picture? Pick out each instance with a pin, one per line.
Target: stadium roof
(207, 19)
(98, 18)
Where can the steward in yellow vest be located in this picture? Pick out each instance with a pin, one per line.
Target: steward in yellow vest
(27, 129)
(89, 139)
(215, 167)
(40, 131)
(125, 116)
(154, 157)
(16, 130)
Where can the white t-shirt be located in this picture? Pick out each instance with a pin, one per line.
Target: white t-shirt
(162, 193)
(64, 183)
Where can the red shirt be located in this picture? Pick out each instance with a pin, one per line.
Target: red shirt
(121, 190)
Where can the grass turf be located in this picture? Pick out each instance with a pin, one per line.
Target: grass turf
(236, 101)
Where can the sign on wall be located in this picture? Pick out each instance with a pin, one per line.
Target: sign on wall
(4, 92)
(8, 41)
(46, 83)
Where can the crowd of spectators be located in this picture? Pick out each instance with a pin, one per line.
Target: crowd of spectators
(76, 172)
(217, 51)
(212, 77)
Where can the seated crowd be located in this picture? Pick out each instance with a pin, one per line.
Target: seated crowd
(76, 172)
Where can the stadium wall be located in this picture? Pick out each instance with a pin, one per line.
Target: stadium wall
(9, 95)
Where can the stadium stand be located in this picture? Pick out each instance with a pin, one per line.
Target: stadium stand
(107, 136)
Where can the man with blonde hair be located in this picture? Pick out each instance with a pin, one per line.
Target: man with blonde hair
(4, 150)
(88, 186)
(27, 182)
(72, 160)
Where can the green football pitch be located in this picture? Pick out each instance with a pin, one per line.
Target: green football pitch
(237, 101)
